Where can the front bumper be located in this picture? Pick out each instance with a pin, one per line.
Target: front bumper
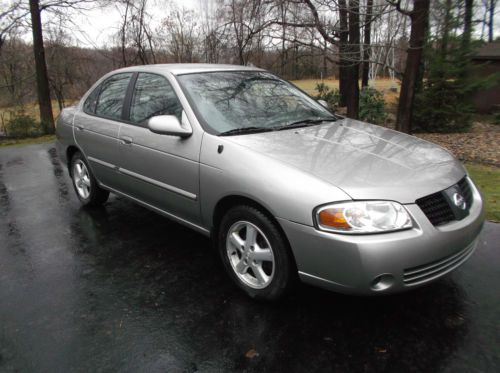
(388, 262)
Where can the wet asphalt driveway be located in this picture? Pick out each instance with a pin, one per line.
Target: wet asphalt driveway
(124, 289)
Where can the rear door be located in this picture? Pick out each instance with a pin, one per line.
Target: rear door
(97, 125)
(160, 170)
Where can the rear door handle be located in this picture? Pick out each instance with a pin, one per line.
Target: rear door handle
(79, 127)
(126, 140)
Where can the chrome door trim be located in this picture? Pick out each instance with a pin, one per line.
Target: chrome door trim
(196, 227)
(102, 163)
(146, 179)
(159, 184)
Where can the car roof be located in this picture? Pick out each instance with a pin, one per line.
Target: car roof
(188, 68)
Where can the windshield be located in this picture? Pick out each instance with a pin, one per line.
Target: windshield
(238, 100)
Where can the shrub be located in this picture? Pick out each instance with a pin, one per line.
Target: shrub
(372, 106)
(22, 125)
(443, 106)
(443, 100)
(331, 96)
(371, 102)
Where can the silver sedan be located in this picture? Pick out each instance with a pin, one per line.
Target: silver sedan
(285, 188)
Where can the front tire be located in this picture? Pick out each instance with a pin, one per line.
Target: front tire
(86, 187)
(255, 254)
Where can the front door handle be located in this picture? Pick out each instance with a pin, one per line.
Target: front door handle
(79, 127)
(126, 140)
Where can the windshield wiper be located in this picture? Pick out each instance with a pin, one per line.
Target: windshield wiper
(299, 123)
(305, 123)
(245, 130)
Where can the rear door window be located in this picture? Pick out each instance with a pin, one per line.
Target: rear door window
(112, 96)
(91, 101)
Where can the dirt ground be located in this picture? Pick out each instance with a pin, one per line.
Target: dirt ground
(481, 144)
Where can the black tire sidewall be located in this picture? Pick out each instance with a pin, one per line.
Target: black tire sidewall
(283, 265)
(94, 188)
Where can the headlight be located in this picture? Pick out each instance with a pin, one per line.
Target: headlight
(362, 217)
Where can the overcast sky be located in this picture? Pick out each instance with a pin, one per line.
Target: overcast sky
(96, 26)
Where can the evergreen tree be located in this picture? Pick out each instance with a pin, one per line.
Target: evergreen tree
(443, 102)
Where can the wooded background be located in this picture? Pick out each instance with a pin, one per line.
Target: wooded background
(425, 45)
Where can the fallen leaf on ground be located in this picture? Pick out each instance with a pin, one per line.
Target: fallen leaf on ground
(251, 354)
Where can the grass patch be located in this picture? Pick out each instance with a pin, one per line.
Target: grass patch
(27, 141)
(383, 85)
(487, 178)
(31, 109)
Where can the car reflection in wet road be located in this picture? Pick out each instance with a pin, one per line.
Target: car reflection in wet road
(124, 289)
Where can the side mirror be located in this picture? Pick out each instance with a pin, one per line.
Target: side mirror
(168, 125)
(323, 103)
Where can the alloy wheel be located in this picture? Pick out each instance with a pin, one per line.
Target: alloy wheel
(250, 254)
(81, 178)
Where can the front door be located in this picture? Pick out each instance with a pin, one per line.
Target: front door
(160, 170)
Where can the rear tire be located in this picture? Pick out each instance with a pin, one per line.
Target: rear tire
(86, 187)
(255, 254)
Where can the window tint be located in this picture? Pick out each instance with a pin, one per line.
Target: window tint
(153, 95)
(110, 102)
(90, 102)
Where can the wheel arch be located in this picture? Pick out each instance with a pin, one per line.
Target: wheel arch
(71, 150)
(227, 202)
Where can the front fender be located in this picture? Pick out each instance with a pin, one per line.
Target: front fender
(286, 192)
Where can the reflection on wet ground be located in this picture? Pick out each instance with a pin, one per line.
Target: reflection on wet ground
(123, 289)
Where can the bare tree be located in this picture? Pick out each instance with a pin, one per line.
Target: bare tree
(491, 20)
(419, 17)
(17, 73)
(62, 72)
(15, 15)
(181, 34)
(135, 34)
(352, 98)
(346, 37)
(469, 8)
(210, 35)
(245, 21)
(343, 61)
(366, 45)
(42, 79)
(9, 19)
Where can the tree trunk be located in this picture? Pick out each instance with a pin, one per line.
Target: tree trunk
(446, 30)
(42, 80)
(469, 7)
(419, 24)
(344, 39)
(325, 59)
(283, 55)
(366, 44)
(124, 36)
(491, 21)
(352, 91)
(465, 49)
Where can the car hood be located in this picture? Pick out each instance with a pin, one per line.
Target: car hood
(364, 160)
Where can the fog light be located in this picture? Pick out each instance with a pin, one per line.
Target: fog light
(382, 282)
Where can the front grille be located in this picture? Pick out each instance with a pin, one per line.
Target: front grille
(437, 207)
(426, 272)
